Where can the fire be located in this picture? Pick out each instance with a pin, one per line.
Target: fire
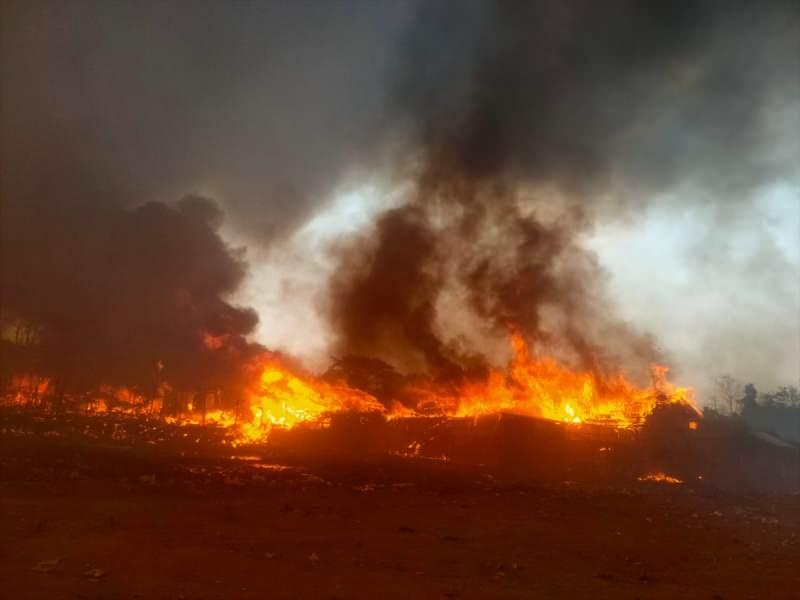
(543, 387)
(284, 399)
(213, 342)
(279, 396)
(540, 387)
(661, 477)
(26, 389)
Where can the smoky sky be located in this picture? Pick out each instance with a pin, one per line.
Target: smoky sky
(583, 94)
(269, 103)
(124, 296)
(505, 95)
(269, 106)
(264, 102)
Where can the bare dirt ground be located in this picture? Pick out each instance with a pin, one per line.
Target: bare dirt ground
(102, 523)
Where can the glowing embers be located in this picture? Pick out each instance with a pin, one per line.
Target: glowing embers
(25, 390)
(660, 477)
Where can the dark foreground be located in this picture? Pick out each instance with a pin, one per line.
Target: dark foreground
(106, 523)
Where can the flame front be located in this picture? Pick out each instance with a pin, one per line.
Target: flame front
(284, 399)
(540, 387)
(280, 396)
(545, 388)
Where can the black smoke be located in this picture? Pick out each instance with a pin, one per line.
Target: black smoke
(102, 295)
(585, 94)
(588, 101)
(598, 110)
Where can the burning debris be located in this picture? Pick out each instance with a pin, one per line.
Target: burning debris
(661, 478)
(280, 397)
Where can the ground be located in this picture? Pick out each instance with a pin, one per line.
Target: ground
(110, 524)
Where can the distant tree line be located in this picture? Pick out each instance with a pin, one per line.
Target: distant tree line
(732, 396)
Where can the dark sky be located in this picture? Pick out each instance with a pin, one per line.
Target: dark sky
(270, 102)
(141, 101)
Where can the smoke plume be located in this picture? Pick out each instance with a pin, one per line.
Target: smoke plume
(519, 130)
(124, 297)
(508, 98)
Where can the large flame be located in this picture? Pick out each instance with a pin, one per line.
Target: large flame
(545, 388)
(283, 397)
(540, 387)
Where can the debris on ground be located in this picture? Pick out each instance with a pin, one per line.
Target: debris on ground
(95, 574)
(46, 566)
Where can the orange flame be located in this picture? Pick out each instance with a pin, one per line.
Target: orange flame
(285, 399)
(282, 397)
(539, 387)
(23, 389)
(545, 388)
(660, 477)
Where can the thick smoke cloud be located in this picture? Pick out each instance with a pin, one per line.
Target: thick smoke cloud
(123, 297)
(261, 105)
(575, 96)
(501, 267)
(584, 94)
(110, 110)
(522, 127)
